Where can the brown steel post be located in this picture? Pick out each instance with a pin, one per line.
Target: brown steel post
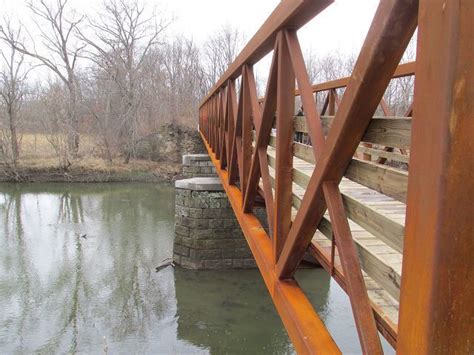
(437, 289)
(233, 155)
(332, 102)
(356, 289)
(264, 121)
(246, 130)
(285, 103)
(219, 124)
(223, 129)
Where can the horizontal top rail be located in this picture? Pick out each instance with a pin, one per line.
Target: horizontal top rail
(288, 14)
(403, 70)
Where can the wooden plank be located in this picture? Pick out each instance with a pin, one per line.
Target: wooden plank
(389, 181)
(386, 229)
(386, 314)
(387, 131)
(384, 154)
(376, 266)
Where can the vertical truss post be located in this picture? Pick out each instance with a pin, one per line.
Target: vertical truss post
(332, 102)
(224, 132)
(220, 125)
(285, 103)
(231, 147)
(437, 288)
(246, 128)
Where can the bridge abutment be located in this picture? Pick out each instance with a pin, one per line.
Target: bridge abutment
(207, 234)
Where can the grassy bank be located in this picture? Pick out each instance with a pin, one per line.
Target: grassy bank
(90, 170)
(39, 163)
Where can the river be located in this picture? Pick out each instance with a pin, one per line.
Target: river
(77, 275)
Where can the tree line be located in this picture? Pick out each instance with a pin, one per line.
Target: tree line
(115, 77)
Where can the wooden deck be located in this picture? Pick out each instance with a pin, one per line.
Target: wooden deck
(377, 223)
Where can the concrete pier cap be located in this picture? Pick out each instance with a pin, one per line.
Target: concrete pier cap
(200, 184)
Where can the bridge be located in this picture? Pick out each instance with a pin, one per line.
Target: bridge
(399, 237)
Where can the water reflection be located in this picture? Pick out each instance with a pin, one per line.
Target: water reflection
(77, 275)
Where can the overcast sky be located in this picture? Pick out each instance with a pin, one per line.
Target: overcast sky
(341, 27)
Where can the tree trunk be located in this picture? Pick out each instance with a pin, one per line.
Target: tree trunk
(73, 136)
(13, 136)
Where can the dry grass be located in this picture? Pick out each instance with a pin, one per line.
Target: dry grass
(38, 161)
(38, 146)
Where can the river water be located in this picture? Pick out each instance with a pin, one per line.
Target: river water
(77, 275)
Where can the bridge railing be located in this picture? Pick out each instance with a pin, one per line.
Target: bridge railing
(252, 143)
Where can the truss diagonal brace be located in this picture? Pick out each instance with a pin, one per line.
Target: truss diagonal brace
(389, 34)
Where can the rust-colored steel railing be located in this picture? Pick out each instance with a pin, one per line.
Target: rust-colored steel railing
(251, 143)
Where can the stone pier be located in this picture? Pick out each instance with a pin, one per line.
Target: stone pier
(207, 234)
(198, 165)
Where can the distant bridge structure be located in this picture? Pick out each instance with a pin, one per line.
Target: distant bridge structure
(399, 241)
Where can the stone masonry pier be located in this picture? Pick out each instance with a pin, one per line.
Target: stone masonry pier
(207, 234)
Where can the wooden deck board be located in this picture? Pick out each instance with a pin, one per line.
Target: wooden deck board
(380, 262)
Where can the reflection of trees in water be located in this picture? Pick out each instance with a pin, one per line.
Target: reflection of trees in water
(131, 276)
(69, 284)
(70, 208)
(126, 247)
(24, 283)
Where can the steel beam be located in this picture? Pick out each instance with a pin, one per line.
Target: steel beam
(437, 288)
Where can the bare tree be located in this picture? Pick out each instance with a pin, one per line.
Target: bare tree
(124, 35)
(221, 50)
(311, 61)
(56, 27)
(399, 93)
(12, 92)
(52, 108)
(185, 79)
(99, 93)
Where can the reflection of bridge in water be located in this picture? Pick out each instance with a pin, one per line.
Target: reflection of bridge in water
(335, 181)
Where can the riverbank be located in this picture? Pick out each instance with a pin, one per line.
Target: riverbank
(91, 170)
(158, 158)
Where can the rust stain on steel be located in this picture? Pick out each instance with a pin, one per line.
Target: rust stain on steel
(285, 102)
(437, 287)
(365, 90)
(305, 328)
(355, 284)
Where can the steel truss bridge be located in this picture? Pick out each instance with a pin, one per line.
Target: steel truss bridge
(399, 241)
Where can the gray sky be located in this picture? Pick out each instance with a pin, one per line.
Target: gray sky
(342, 26)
